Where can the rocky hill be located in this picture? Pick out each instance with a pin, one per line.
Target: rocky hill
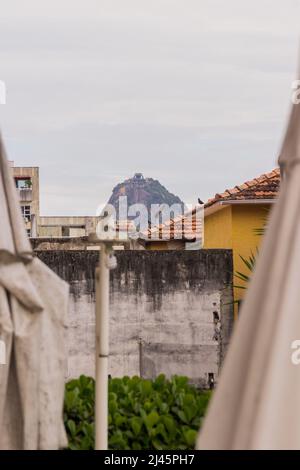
(142, 190)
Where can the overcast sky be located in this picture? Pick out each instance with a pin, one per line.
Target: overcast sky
(194, 93)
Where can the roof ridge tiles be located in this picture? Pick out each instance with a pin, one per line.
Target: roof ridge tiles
(247, 190)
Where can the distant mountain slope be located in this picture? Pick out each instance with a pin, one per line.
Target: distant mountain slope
(140, 190)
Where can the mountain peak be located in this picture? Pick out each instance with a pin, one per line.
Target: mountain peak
(141, 190)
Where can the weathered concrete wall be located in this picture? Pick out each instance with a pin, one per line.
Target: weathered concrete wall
(171, 312)
(75, 244)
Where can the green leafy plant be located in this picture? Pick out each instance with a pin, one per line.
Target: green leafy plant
(79, 412)
(143, 414)
(28, 184)
(249, 264)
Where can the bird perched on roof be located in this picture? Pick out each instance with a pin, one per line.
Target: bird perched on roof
(199, 201)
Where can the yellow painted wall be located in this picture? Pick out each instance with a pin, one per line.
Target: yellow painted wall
(246, 218)
(166, 245)
(218, 229)
(233, 227)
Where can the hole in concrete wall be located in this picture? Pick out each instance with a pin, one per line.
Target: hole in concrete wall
(211, 380)
(216, 317)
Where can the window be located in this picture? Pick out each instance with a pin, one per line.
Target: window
(65, 231)
(28, 231)
(26, 212)
(23, 183)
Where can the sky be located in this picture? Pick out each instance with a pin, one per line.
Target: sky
(194, 93)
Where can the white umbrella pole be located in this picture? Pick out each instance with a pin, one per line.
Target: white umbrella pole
(102, 351)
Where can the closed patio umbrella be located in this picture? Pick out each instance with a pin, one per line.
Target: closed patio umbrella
(257, 402)
(33, 304)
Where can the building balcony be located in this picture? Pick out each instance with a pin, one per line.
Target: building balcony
(27, 221)
(25, 194)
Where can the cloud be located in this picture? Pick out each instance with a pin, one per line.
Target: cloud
(192, 93)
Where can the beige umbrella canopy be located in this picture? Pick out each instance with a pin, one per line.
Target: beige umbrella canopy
(257, 402)
(33, 304)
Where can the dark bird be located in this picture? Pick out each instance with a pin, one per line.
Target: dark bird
(199, 201)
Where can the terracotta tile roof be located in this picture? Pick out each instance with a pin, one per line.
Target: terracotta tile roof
(265, 186)
(125, 226)
(187, 227)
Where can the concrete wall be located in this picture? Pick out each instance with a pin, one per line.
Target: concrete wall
(66, 226)
(76, 244)
(165, 308)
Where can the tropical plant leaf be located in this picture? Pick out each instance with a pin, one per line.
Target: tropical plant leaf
(143, 414)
